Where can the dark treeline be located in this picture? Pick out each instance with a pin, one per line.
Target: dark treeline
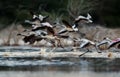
(103, 11)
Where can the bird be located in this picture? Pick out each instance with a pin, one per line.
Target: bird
(115, 43)
(82, 19)
(104, 44)
(38, 21)
(30, 38)
(34, 22)
(43, 18)
(70, 30)
(49, 35)
(86, 43)
(40, 17)
(53, 38)
(67, 28)
(109, 43)
(74, 27)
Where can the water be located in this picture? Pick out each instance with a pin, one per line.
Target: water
(56, 74)
(57, 67)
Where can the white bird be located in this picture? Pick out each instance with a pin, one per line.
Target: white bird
(84, 42)
(110, 43)
(84, 19)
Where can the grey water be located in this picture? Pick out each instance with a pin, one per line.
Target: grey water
(56, 67)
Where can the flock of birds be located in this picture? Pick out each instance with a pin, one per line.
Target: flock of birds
(43, 30)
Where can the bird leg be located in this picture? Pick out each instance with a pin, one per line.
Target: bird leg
(59, 43)
(74, 43)
(54, 46)
(97, 49)
(53, 49)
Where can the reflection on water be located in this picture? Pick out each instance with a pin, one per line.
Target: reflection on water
(91, 64)
(58, 67)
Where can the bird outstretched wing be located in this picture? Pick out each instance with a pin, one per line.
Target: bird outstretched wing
(66, 24)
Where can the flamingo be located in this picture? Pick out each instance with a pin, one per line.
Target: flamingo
(51, 35)
(110, 43)
(74, 27)
(85, 43)
(38, 21)
(30, 38)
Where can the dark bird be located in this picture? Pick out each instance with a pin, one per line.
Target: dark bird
(67, 28)
(30, 38)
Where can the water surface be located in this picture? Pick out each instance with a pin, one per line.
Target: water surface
(57, 67)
